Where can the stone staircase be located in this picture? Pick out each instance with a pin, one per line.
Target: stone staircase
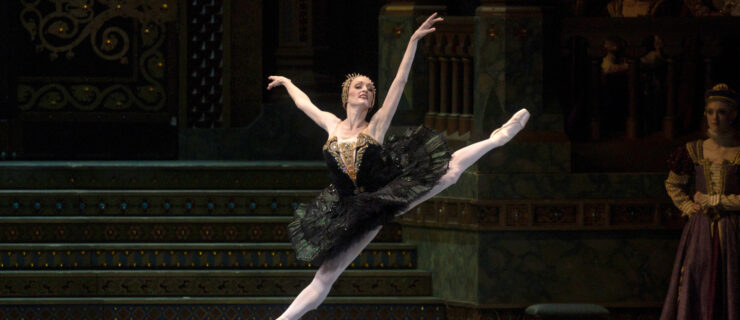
(182, 240)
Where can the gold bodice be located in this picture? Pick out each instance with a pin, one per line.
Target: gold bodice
(349, 154)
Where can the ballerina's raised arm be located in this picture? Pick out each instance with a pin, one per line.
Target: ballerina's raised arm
(324, 119)
(381, 121)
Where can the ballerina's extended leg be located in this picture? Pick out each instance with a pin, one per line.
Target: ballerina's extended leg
(312, 296)
(465, 157)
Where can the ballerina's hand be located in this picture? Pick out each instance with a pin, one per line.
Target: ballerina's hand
(276, 81)
(426, 27)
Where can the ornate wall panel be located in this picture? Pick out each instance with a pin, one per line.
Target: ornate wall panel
(4, 63)
(187, 257)
(92, 79)
(115, 50)
(207, 283)
(170, 230)
(163, 175)
(332, 310)
(206, 78)
(542, 214)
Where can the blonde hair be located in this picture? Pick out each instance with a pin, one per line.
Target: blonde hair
(345, 88)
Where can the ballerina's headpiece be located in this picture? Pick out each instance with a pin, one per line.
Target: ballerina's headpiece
(345, 88)
(722, 92)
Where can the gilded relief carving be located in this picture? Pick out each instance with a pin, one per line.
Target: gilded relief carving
(75, 21)
(72, 23)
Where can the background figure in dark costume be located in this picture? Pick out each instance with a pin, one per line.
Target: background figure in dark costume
(705, 283)
(372, 181)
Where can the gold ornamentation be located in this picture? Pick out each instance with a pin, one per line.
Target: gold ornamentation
(74, 21)
(363, 141)
(721, 86)
(492, 34)
(349, 155)
(722, 92)
(707, 166)
(522, 33)
(692, 154)
(677, 179)
(397, 30)
(722, 176)
(736, 160)
(715, 176)
(114, 97)
(730, 202)
(674, 186)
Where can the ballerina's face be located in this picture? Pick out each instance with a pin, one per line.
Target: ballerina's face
(719, 114)
(361, 92)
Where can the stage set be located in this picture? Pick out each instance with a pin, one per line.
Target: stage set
(147, 173)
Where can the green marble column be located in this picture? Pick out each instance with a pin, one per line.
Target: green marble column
(508, 63)
(453, 258)
(510, 50)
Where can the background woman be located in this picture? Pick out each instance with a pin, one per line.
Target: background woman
(705, 283)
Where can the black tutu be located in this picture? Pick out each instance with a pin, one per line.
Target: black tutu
(389, 178)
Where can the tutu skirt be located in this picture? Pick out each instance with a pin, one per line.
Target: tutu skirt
(330, 223)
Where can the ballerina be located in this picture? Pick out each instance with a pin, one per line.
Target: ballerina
(373, 180)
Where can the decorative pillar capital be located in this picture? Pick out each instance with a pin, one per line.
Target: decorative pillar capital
(409, 8)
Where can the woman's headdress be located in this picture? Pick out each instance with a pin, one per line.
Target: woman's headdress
(722, 92)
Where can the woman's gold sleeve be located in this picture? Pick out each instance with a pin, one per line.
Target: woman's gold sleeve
(730, 202)
(675, 186)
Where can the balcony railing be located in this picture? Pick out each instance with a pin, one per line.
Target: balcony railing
(449, 53)
(640, 76)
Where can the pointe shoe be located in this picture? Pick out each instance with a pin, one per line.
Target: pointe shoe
(504, 134)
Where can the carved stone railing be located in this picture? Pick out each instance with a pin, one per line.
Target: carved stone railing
(449, 54)
(530, 215)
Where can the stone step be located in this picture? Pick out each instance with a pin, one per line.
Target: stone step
(238, 175)
(207, 283)
(228, 308)
(185, 256)
(74, 229)
(153, 202)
